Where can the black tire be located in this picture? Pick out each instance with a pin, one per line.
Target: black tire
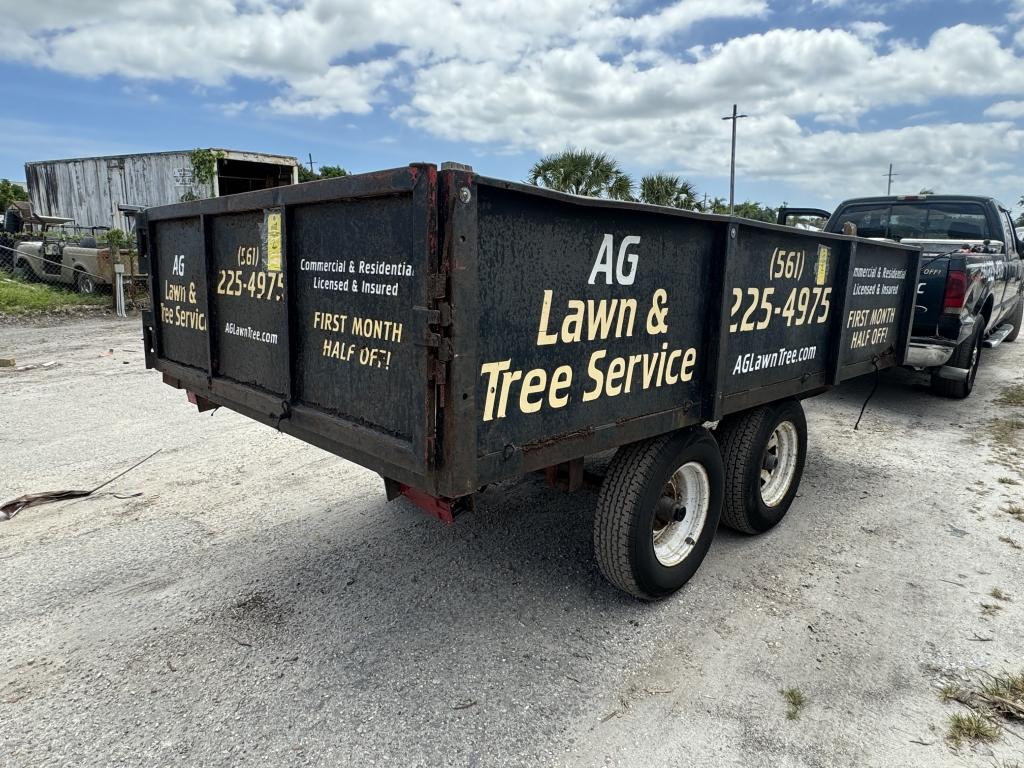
(967, 355)
(744, 438)
(22, 271)
(1016, 317)
(85, 283)
(628, 510)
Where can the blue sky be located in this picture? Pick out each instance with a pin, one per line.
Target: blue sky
(835, 89)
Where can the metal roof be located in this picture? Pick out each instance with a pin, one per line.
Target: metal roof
(231, 154)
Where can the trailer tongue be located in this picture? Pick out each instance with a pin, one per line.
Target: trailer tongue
(448, 330)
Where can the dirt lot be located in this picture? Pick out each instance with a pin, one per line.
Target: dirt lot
(260, 603)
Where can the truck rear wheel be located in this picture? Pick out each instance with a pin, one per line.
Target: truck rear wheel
(1016, 317)
(967, 355)
(657, 512)
(763, 450)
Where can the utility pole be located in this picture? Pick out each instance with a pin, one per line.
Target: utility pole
(311, 162)
(732, 165)
(890, 174)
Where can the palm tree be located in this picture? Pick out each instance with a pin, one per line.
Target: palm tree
(716, 205)
(582, 172)
(665, 189)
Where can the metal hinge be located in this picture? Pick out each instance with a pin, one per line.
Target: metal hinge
(437, 286)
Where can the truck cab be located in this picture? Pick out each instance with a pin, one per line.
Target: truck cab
(969, 294)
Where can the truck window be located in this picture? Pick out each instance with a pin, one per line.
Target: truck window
(916, 219)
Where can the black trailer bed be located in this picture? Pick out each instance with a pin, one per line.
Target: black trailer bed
(449, 330)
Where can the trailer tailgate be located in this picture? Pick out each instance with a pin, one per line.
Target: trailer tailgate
(307, 307)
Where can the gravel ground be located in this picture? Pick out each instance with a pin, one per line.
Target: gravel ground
(260, 603)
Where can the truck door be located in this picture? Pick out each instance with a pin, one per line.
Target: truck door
(1011, 267)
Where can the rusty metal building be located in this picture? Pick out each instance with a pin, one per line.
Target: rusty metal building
(93, 190)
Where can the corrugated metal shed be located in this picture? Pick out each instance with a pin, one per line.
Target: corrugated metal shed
(90, 189)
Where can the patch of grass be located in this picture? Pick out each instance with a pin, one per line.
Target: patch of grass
(1005, 431)
(990, 699)
(1012, 542)
(950, 692)
(1008, 481)
(795, 701)
(990, 609)
(18, 297)
(1007, 690)
(1014, 510)
(1012, 395)
(998, 594)
(970, 727)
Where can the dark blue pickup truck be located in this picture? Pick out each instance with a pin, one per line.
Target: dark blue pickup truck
(969, 295)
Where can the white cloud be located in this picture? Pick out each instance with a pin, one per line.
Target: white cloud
(535, 75)
(827, 74)
(1009, 110)
(869, 30)
(340, 88)
(233, 108)
(326, 53)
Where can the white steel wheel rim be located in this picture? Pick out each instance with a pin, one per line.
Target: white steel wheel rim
(778, 465)
(681, 513)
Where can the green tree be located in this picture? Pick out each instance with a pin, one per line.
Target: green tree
(9, 192)
(582, 172)
(1020, 219)
(716, 205)
(326, 172)
(665, 189)
(749, 209)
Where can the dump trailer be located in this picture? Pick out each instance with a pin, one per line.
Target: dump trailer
(448, 330)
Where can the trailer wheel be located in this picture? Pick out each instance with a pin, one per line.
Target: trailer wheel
(764, 451)
(657, 512)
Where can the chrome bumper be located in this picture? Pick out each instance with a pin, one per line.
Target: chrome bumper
(928, 354)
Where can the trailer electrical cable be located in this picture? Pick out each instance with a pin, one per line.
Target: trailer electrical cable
(874, 388)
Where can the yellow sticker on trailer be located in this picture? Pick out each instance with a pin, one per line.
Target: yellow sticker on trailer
(273, 242)
(823, 255)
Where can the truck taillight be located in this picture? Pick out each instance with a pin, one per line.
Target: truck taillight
(956, 291)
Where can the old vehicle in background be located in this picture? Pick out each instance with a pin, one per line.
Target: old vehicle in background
(85, 265)
(55, 250)
(969, 295)
(450, 331)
